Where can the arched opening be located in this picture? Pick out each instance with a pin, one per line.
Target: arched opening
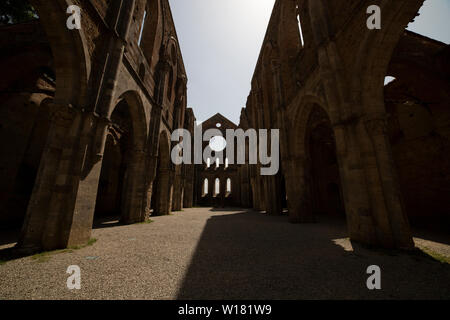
(48, 71)
(322, 166)
(150, 32)
(217, 187)
(228, 187)
(417, 107)
(205, 187)
(30, 62)
(24, 127)
(162, 188)
(414, 105)
(142, 27)
(116, 160)
(300, 29)
(120, 190)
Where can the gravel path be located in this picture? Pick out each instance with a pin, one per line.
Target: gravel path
(208, 254)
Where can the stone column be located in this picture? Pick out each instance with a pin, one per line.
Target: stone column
(297, 191)
(354, 184)
(30, 240)
(133, 206)
(151, 176)
(188, 198)
(177, 200)
(245, 187)
(164, 192)
(84, 174)
(258, 200)
(390, 216)
(272, 193)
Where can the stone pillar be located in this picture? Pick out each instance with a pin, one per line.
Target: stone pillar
(62, 118)
(177, 199)
(245, 187)
(133, 205)
(297, 191)
(84, 174)
(63, 202)
(164, 191)
(391, 219)
(354, 185)
(151, 176)
(258, 188)
(188, 198)
(272, 194)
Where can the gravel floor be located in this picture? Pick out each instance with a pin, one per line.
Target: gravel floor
(232, 254)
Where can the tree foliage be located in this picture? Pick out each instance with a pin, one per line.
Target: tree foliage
(16, 11)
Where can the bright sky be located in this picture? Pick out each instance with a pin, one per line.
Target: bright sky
(221, 40)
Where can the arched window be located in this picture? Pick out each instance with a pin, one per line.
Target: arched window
(226, 163)
(217, 187)
(389, 79)
(228, 185)
(300, 28)
(142, 27)
(208, 163)
(217, 163)
(205, 187)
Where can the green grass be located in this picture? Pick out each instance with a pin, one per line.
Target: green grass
(90, 243)
(436, 256)
(46, 255)
(2, 262)
(146, 222)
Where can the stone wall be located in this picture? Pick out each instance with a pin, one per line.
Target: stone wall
(319, 56)
(97, 104)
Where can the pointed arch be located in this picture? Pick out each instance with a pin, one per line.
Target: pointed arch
(205, 187)
(375, 53)
(70, 52)
(152, 32)
(138, 117)
(216, 187)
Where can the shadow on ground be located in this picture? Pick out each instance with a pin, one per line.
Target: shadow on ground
(107, 222)
(9, 236)
(248, 255)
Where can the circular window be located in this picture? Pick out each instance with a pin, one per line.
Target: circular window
(217, 143)
(218, 125)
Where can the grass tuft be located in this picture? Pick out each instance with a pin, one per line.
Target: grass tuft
(436, 256)
(46, 255)
(90, 243)
(147, 221)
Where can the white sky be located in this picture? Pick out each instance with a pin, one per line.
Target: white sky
(221, 40)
